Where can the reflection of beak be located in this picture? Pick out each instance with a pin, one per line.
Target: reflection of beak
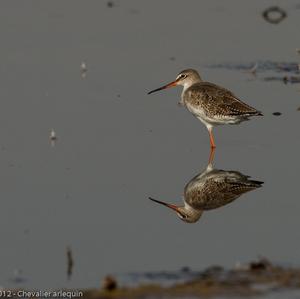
(173, 207)
(172, 84)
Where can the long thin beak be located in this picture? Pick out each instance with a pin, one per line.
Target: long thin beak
(173, 207)
(172, 84)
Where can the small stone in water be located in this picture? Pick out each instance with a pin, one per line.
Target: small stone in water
(185, 269)
(109, 283)
(277, 113)
(110, 4)
(53, 135)
(83, 67)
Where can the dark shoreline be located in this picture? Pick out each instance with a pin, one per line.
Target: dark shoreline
(255, 278)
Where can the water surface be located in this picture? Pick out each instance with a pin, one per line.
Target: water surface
(116, 145)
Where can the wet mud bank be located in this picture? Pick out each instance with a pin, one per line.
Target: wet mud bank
(255, 278)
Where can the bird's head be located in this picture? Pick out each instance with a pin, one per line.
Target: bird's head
(185, 213)
(185, 78)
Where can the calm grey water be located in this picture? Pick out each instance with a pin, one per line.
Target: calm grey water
(116, 145)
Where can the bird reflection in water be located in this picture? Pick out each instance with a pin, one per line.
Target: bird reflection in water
(211, 189)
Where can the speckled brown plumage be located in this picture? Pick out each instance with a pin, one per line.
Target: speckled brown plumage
(211, 104)
(218, 103)
(215, 188)
(211, 189)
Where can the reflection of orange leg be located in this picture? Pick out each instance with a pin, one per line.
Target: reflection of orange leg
(211, 138)
(211, 155)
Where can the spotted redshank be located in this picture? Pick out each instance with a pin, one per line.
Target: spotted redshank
(211, 189)
(211, 104)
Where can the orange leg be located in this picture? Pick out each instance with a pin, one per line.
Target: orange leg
(211, 155)
(211, 138)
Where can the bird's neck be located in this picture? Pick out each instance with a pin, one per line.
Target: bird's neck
(194, 214)
(189, 210)
(188, 84)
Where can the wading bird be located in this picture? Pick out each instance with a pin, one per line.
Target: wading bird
(211, 104)
(211, 189)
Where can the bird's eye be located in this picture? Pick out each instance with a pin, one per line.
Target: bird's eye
(182, 76)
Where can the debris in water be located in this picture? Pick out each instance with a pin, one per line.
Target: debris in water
(262, 66)
(261, 264)
(185, 269)
(291, 79)
(109, 283)
(83, 69)
(53, 137)
(212, 271)
(253, 70)
(289, 67)
(277, 113)
(70, 263)
(110, 4)
(274, 14)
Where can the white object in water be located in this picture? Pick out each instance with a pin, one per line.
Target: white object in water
(83, 67)
(52, 135)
